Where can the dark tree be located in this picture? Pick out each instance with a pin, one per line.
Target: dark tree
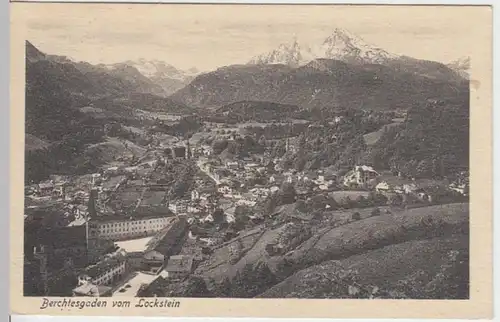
(356, 216)
(287, 194)
(218, 215)
(375, 212)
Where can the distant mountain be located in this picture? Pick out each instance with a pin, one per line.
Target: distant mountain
(82, 78)
(167, 76)
(57, 92)
(461, 66)
(347, 47)
(142, 83)
(340, 45)
(343, 71)
(291, 54)
(325, 84)
(33, 54)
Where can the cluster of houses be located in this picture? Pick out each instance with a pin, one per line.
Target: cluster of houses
(157, 257)
(241, 182)
(49, 188)
(424, 189)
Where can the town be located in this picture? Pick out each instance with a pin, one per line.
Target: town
(162, 217)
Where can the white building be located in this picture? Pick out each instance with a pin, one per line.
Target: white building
(195, 195)
(232, 165)
(360, 175)
(193, 209)
(225, 189)
(246, 202)
(106, 272)
(382, 187)
(178, 207)
(208, 218)
(463, 189)
(119, 228)
(45, 188)
(95, 178)
(395, 186)
(179, 266)
(206, 150)
(251, 166)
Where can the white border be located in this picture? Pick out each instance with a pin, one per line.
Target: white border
(356, 2)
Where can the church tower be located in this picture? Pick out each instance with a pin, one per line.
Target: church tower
(91, 228)
(188, 150)
(288, 135)
(41, 254)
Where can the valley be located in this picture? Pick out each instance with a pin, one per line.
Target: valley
(331, 171)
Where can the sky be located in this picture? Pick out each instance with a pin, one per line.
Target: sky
(211, 36)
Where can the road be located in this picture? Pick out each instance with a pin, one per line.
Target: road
(198, 163)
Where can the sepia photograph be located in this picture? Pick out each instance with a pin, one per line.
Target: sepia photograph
(297, 152)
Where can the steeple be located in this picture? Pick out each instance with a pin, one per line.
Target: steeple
(91, 208)
(288, 135)
(188, 150)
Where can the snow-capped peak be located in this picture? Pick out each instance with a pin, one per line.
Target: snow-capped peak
(290, 53)
(341, 45)
(160, 69)
(461, 64)
(344, 45)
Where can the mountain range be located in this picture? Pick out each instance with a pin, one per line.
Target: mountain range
(461, 66)
(165, 75)
(154, 77)
(58, 87)
(69, 103)
(343, 71)
(347, 47)
(326, 84)
(340, 45)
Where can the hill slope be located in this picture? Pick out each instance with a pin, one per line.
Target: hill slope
(306, 245)
(426, 266)
(69, 103)
(322, 83)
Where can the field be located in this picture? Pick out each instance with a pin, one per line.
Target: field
(352, 194)
(375, 232)
(113, 149)
(373, 137)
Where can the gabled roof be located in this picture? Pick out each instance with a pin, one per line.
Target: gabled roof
(180, 264)
(105, 265)
(166, 238)
(365, 168)
(45, 185)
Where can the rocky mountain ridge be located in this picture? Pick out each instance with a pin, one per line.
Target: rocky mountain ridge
(340, 45)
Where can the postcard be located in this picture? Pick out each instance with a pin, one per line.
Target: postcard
(238, 160)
